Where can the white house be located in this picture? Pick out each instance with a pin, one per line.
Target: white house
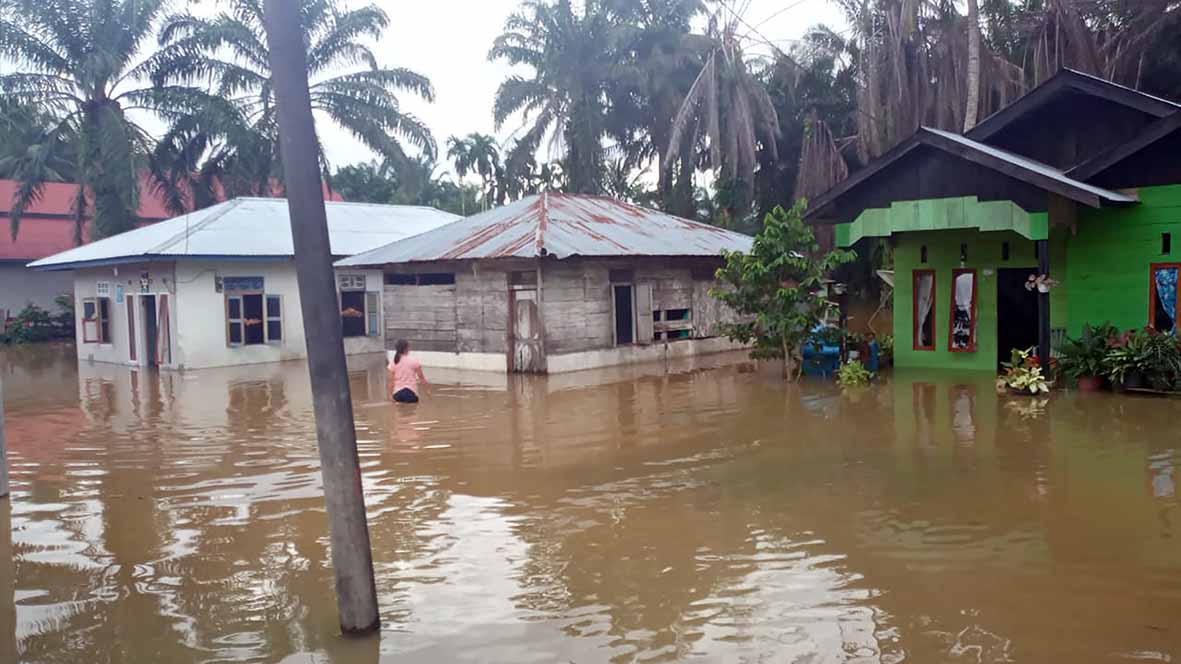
(217, 287)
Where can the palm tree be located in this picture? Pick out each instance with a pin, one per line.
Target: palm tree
(77, 67)
(729, 109)
(229, 51)
(663, 58)
(477, 153)
(571, 51)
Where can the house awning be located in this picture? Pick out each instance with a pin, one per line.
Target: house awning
(944, 214)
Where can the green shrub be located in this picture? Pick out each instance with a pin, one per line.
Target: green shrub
(852, 374)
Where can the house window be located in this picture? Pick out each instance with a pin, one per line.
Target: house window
(1162, 300)
(1166, 243)
(1004, 251)
(351, 282)
(923, 254)
(359, 309)
(96, 320)
(962, 337)
(924, 309)
(672, 324)
(253, 318)
(245, 322)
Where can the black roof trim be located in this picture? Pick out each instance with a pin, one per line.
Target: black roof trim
(1101, 162)
(1068, 80)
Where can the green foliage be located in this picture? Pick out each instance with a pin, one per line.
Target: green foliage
(1022, 373)
(1155, 356)
(1086, 355)
(33, 324)
(777, 288)
(853, 374)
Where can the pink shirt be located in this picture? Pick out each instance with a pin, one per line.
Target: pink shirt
(407, 373)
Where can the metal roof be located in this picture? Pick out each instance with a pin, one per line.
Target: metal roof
(251, 228)
(560, 225)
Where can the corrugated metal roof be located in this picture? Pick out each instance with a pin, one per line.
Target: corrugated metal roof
(1031, 165)
(253, 227)
(560, 225)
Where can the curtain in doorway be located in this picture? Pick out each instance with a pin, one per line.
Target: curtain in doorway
(1166, 296)
(962, 325)
(923, 299)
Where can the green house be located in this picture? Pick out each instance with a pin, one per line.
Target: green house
(1078, 180)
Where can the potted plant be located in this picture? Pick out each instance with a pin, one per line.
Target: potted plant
(1144, 359)
(1084, 359)
(1022, 374)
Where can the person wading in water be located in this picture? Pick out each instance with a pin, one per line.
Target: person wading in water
(405, 374)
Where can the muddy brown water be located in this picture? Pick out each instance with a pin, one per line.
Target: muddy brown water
(705, 512)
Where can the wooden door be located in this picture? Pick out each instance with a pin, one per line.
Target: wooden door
(527, 353)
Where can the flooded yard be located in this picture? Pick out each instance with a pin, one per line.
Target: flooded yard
(706, 513)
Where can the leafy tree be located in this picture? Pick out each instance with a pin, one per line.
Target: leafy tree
(348, 86)
(571, 50)
(776, 287)
(77, 68)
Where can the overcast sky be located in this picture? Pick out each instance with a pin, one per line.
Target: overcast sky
(448, 41)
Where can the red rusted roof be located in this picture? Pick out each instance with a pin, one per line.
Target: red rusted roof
(560, 225)
(47, 227)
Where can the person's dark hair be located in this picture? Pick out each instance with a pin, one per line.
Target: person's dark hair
(401, 347)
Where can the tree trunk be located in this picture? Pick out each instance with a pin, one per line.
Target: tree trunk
(973, 65)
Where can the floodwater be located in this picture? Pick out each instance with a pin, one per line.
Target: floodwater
(704, 513)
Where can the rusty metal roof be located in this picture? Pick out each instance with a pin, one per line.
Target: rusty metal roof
(559, 225)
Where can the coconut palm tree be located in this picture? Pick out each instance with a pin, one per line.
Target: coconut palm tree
(229, 51)
(571, 50)
(729, 109)
(77, 67)
(477, 153)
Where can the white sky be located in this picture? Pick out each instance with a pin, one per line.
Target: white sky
(448, 41)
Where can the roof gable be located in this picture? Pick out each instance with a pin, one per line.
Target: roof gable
(939, 164)
(1065, 82)
(560, 225)
(1148, 158)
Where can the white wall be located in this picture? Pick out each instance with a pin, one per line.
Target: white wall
(20, 286)
(197, 313)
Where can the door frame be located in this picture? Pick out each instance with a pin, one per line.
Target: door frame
(615, 313)
(512, 328)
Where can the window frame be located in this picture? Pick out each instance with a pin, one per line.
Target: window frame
(1152, 268)
(914, 309)
(267, 319)
(98, 322)
(372, 314)
(240, 297)
(951, 312)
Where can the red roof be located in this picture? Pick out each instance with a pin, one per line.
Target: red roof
(47, 227)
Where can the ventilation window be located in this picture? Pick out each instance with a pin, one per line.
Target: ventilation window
(1166, 243)
(923, 254)
(1004, 251)
(963, 253)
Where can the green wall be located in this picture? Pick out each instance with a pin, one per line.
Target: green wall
(1109, 258)
(984, 253)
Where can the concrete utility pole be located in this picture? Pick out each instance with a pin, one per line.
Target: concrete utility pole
(352, 558)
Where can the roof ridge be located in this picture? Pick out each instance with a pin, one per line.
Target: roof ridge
(189, 232)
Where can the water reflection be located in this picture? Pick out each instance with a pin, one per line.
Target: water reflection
(704, 512)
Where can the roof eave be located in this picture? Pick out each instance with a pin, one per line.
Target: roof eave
(147, 258)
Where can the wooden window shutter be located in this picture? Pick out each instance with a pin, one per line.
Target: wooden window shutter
(644, 323)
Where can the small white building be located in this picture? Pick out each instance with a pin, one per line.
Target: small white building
(217, 287)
